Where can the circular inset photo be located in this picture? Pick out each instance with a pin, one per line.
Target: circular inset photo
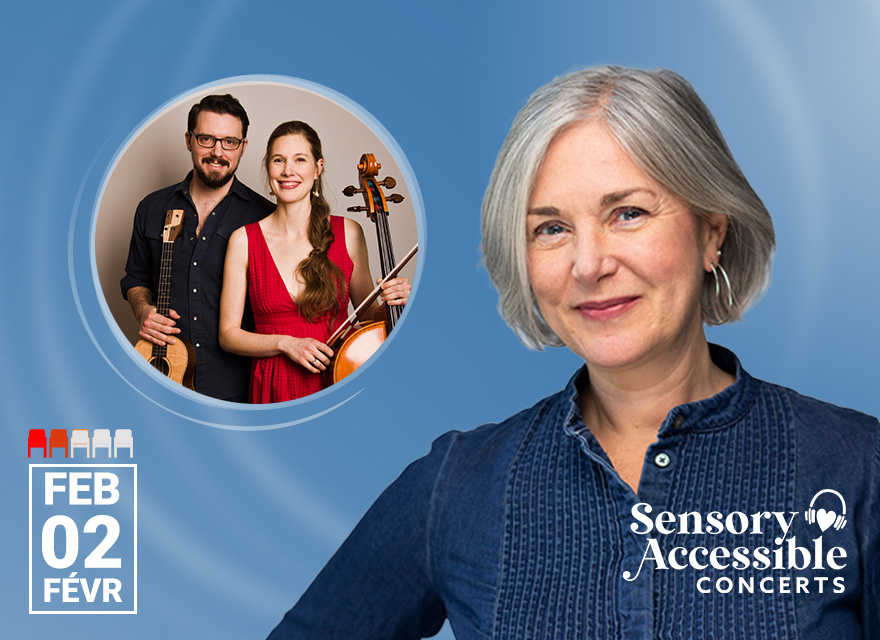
(255, 241)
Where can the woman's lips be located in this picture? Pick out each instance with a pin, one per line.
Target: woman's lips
(609, 309)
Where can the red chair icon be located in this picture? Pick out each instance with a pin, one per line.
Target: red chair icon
(37, 440)
(57, 439)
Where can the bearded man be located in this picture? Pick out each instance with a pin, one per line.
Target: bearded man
(215, 203)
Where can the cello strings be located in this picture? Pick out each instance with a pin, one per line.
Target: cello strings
(346, 325)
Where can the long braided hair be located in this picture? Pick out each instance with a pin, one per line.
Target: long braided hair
(324, 280)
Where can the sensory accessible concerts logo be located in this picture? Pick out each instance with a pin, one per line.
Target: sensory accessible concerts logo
(815, 565)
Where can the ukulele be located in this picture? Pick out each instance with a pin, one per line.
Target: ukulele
(176, 361)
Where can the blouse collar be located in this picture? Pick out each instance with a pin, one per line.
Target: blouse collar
(716, 412)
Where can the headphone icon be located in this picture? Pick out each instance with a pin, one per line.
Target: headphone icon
(839, 521)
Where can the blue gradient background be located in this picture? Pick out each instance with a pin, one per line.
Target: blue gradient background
(233, 525)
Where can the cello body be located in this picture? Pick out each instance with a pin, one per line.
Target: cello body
(356, 349)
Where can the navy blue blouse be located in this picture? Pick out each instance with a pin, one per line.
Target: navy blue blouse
(756, 517)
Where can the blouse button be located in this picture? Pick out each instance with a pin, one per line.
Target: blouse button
(662, 460)
(678, 421)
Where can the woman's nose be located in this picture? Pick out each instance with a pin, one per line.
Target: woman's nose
(593, 258)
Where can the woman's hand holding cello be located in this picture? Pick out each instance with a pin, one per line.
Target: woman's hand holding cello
(394, 292)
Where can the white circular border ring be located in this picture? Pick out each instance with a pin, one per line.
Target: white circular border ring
(269, 100)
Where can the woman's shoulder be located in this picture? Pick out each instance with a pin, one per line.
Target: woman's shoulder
(489, 448)
(351, 227)
(238, 239)
(467, 473)
(812, 414)
(352, 232)
(245, 230)
(829, 450)
(767, 402)
(830, 445)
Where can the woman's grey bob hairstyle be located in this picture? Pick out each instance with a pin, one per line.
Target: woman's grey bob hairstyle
(660, 122)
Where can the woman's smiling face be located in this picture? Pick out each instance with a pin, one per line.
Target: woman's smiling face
(615, 261)
(292, 168)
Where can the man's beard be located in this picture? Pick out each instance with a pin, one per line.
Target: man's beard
(213, 181)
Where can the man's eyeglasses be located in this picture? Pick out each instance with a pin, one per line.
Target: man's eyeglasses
(208, 142)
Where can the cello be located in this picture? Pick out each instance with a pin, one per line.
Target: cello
(355, 346)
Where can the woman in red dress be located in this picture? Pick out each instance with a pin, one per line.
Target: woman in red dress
(299, 266)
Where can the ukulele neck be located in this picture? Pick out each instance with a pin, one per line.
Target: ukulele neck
(163, 301)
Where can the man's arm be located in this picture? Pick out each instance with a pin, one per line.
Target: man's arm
(136, 284)
(154, 327)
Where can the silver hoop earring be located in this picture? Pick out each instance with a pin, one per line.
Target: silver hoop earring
(716, 267)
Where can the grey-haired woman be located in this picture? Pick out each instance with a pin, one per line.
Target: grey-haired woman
(664, 492)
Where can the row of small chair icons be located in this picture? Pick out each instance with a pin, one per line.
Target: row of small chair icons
(80, 438)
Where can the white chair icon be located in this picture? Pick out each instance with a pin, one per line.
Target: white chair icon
(79, 438)
(125, 440)
(102, 440)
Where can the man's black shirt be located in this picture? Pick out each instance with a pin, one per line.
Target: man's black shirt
(196, 275)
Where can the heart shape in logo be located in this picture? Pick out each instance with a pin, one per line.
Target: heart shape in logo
(825, 518)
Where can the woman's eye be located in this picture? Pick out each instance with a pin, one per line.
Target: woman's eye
(629, 214)
(549, 229)
(549, 233)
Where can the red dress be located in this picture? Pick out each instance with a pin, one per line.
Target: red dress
(278, 378)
